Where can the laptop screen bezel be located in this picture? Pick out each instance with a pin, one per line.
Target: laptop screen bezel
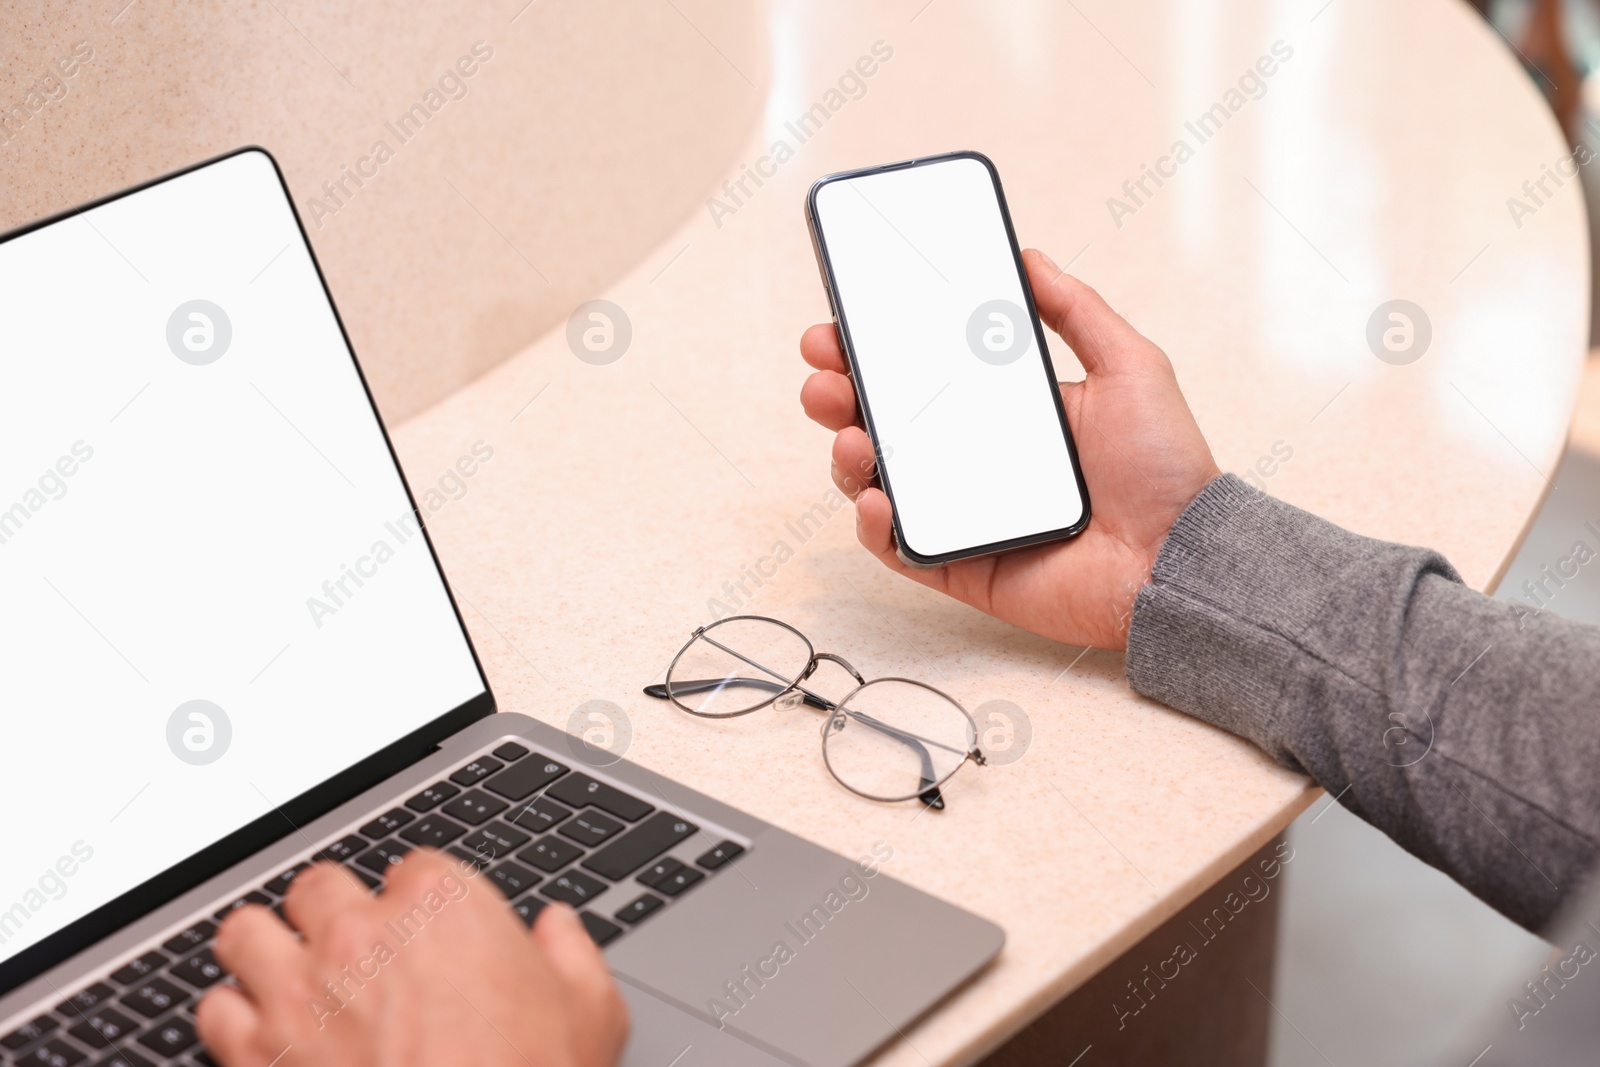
(314, 802)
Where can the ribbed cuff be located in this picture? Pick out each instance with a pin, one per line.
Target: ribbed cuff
(1252, 602)
(1193, 642)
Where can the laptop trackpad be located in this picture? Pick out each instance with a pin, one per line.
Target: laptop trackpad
(666, 1036)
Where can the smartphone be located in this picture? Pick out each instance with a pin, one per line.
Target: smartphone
(954, 381)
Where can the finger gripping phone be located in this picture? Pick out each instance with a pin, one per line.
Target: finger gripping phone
(955, 384)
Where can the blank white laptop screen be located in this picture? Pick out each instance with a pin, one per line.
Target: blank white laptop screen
(213, 591)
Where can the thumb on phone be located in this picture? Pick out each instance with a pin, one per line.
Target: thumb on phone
(1101, 339)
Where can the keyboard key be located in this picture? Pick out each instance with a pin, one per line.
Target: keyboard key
(474, 808)
(603, 932)
(382, 856)
(433, 831)
(660, 871)
(387, 823)
(153, 997)
(466, 855)
(192, 938)
(513, 879)
(136, 971)
(103, 1027)
(720, 855)
(200, 970)
(340, 851)
(203, 1058)
(540, 814)
(366, 879)
(640, 845)
(280, 885)
(528, 909)
(254, 897)
(575, 888)
(53, 1053)
(84, 999)
(476, 771)
(510, 752)
(125, 1058)
(496, 840)
(679, 880)
(641, 909)
(28, 1033)
(590, 828)
(525, 778)
(579, 789)
(550, 854)
(171, 1037)
(432, 797)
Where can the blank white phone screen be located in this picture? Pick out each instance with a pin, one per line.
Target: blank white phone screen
(953, 379)
(215, 592)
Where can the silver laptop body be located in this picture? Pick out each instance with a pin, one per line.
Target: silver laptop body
(735, 942)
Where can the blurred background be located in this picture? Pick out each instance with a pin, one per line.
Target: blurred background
(1371, 936)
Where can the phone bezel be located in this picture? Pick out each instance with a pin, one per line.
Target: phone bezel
(819, 245)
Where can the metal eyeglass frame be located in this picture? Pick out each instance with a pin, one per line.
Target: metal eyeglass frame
(929, 795)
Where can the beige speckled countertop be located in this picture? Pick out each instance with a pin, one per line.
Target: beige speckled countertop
(1376, 164)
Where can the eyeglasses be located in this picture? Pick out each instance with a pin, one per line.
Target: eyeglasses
(889, 739)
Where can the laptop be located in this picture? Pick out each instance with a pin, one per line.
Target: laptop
(228, 650)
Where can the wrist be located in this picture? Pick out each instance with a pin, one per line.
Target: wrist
(1142, 573)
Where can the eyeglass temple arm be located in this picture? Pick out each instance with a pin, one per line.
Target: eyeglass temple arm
(707, 685)
(929, 796)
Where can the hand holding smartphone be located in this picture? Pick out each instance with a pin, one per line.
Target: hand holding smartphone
(955, 384)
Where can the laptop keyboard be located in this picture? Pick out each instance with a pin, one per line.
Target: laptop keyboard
(537, 829)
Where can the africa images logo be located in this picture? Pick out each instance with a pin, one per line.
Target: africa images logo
(1251, 85)
(852, 887)
(199, 332)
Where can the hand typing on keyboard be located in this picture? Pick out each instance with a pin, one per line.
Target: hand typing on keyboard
(435, 969)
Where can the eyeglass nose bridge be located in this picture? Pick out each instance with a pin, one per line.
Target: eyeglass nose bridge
(818, 657)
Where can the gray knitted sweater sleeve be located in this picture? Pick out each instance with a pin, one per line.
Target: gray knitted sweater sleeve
(1466, 729)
